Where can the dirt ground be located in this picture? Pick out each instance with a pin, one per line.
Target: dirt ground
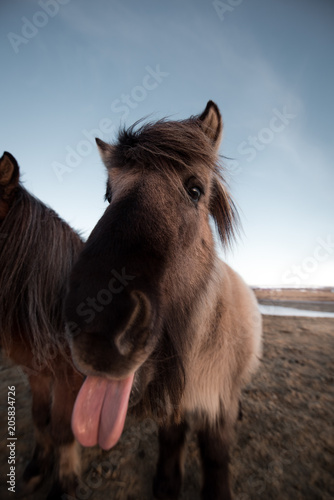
(284, 446)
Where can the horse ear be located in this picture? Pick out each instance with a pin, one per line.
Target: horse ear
(105, 151)
(9, 170)
(223, 211)
(212, 124)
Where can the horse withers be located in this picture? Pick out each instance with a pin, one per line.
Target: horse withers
(158, 323)
(37, 252)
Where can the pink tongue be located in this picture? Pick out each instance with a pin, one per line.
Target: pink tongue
(100, 410)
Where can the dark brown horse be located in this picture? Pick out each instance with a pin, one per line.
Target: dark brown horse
(37, 251)
(159, 324)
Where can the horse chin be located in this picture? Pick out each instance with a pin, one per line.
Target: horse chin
(143, 376)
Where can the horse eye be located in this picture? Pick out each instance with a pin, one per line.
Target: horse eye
(195, 193)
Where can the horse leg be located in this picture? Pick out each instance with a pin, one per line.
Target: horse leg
(41, 463)
(67, 450)
(168, 478)
(214, 445)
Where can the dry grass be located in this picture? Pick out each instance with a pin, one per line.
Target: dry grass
(284, 446)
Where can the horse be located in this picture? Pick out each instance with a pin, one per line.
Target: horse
(158, 324)
(37, 252)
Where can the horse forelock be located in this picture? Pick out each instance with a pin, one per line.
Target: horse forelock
(181, 143)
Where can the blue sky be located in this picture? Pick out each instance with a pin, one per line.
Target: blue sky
(75, 69)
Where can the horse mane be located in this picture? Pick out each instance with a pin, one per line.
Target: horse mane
(179, 144)
(37, 252)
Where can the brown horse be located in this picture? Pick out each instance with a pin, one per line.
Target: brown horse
(159, 324)
(37, 251)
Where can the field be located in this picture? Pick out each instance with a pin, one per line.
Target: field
(314, 299)
(284, 446)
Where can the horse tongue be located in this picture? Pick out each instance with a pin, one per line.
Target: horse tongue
(100, 410)
(114, 410)
(87, 410)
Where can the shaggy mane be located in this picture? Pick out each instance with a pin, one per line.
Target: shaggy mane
(37, 252)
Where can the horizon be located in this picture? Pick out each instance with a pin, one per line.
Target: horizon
(287, 287)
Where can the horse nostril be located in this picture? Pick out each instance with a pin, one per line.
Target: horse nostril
(136, 332)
